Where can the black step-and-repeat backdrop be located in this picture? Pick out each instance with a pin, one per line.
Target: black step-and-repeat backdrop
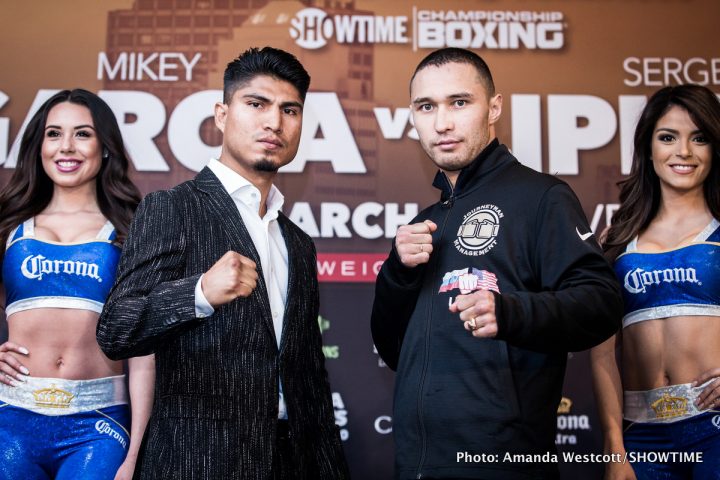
(574, 76)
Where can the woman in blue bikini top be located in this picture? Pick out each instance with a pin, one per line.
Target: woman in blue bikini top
(64, 215)
(659, 377)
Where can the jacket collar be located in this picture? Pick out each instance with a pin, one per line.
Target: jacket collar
(471, 174)
(226, 213)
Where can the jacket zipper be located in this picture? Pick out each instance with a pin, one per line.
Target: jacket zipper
(428, 329)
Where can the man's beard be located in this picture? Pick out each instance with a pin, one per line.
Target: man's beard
(265, 165)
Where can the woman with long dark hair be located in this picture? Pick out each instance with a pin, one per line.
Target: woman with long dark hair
(63, 217)
(657, 381)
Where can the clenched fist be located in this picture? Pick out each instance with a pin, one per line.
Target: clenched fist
(414, 243)
(477, 312)
(231, 277)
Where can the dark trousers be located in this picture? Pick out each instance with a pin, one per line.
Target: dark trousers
(282, 461)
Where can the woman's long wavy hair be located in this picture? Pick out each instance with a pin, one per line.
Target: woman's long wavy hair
(30, 190)
(640, 192)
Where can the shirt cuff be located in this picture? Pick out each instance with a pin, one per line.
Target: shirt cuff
(202, 306)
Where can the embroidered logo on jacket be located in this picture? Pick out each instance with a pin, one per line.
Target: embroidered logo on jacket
(478, 232)
(468, 280)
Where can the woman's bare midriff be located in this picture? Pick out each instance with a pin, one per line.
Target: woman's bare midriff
(62, 344)
(669, 351)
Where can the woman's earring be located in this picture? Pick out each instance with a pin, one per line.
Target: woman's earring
(105, 153)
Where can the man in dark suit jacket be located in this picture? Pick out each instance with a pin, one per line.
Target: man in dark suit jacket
(222, 287)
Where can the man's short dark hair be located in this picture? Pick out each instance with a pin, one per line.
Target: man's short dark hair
(459, 55)
(269, 61)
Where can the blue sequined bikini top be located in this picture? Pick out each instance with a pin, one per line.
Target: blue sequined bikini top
(679, 282)
(44, 274)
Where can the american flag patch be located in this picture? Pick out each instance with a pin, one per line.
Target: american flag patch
(469, 280)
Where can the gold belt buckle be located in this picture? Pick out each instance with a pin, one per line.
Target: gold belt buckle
(669, 407)
(52, 397)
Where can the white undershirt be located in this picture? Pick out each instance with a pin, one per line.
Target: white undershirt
(268, 240)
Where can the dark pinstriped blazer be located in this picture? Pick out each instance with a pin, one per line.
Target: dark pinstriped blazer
(216, 391)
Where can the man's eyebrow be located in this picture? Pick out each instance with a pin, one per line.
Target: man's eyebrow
(264, 99)
(455, 96)
(452, 96)
(291, 104)
(257, 96)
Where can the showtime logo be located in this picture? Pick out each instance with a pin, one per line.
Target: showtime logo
(313, 28)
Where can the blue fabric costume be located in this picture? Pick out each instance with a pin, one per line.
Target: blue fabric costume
(54, 428)
(42, 274)
(681, 282)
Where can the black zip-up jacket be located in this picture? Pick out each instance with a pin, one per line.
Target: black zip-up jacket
(524, 234)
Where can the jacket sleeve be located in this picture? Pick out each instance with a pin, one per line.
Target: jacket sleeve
(329, 458)
(150, 301)
(578, 303)
(396, 292)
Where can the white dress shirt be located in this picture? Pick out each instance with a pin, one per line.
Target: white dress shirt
(269, 243)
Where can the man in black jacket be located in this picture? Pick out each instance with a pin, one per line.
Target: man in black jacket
(222, 287)
(484, 293)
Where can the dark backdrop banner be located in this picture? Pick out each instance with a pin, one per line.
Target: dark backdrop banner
(574, 76)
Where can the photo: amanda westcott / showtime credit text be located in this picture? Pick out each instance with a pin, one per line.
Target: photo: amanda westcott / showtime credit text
(572, 457)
